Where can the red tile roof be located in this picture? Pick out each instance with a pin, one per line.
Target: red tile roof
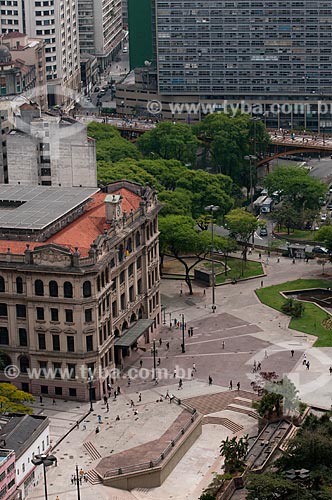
(84, 230)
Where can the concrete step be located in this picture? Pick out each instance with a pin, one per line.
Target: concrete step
(93, 477)
(238, 409)
(92, 450)
(226, 422)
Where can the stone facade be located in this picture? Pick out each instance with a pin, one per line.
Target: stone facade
(61, 308)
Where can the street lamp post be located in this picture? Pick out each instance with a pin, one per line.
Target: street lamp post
(170, 320)
(78, 484)
(212, 209)
(183, 348)
(90, 380)
(154, 352)
(45, 461)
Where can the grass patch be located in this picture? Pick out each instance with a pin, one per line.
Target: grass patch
(311, 321)
(296, 234)
(251, 270)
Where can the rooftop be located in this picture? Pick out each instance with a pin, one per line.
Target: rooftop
(81, 232)
(18, 431)
(34, 208)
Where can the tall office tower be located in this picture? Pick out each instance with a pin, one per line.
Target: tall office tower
(100, 28)
(260, 51)
(56, 23)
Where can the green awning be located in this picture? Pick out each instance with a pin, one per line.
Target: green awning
(134, 333)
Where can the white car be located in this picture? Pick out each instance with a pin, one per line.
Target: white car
(323, 217)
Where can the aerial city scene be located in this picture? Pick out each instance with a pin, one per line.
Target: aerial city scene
(166, 250)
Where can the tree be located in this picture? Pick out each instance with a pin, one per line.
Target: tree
(296, 187)
(322, 262)
(110, 146)
(270, 486)
(228, 139)
(12, 400)
(242, 225)
(234, 452)
(324, 235)
(170, 141)
(180, 237)
(293, 308)
(288, 216)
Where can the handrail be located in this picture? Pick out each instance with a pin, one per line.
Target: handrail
(154, 463)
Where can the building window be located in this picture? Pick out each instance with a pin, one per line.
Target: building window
(139, 263)
(23, 337)
(39, 288)
(122, 277)
(69, 315)
(70, 343)
(68, 290)
(87, 289)
(42, 368)
(131, 294)
(98, 283)
(114, 309)
(131, 270)
(71, 370)
(72, 392)
(3, 310)
(57, 370)
(21, 311)
(123, 302)
(24, 364)
(138, 239)
(139, 286)
(54, 314)
(40, 313)
(53, 289)
(58, 391)
(89, 343)
(19, 285)
(44, 389)
(2, 284)
(88, 315)
(56, 342)
(4, 337)
(41, 341)
(11, 483)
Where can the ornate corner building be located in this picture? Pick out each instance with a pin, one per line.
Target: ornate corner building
(79, 284)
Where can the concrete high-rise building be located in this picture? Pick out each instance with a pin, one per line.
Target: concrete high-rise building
(261, 52)
(100, 28)
(56, 23)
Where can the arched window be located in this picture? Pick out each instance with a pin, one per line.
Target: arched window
(67, 290)
(133, 318)
(53, 289)
(39, 288)
(87, 289)
(24, 364)
(2, 284)
(19, 285)
(138, 239)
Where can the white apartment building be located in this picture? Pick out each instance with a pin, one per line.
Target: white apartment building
(100, 28)
(56, 22)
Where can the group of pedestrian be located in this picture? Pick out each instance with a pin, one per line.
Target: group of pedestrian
(306, 362)
(257, 367)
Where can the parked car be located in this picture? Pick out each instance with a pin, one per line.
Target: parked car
(263, 231)
(323, 217)
(320, 250)
(97, 89)
(329, 205)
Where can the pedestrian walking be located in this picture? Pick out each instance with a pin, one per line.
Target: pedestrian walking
(254, 367)
(194, 367)
(259, 366)
(231, 385)
(265, 354)
(40, 399)
(156, 381)
(167, 346)
(140, 363)
(132, 404)
(57, 498)
(84, 426)
(330, 370)
(128, 382)
(105, 399)
(180, 384)
(259, 255)
(174, 373)
(99, 419)
(158, 362)
(107, 407)
(117, 418)
(192, 373)
(293, 261)
(140, 397)
(308, 365)
(278, 260)
(304, 362)
(160, 342)
(210, 380)
(204, 292)
(167, 396)
(262, 283)
(171, 398)
(238, 386)
(292, 353)
(118, 390)
(53, 401)
(223, 345)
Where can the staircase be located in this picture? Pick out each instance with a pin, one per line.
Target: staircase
(246, 411)
(93, 452)
(232, 426)
(93, 477)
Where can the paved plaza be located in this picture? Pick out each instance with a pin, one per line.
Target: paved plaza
(224, 346)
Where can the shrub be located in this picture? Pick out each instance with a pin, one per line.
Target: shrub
(293, 308)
